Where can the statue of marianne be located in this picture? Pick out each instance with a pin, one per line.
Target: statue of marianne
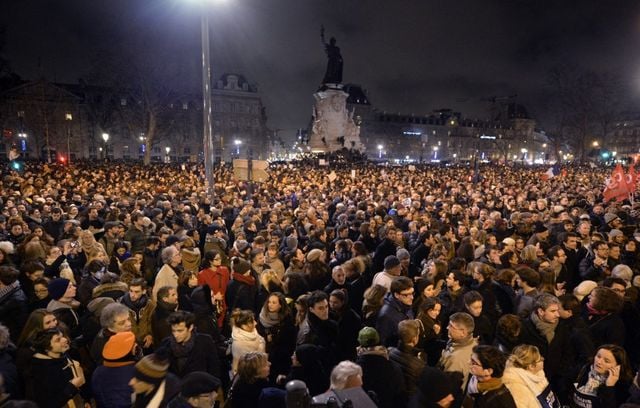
(333, 75)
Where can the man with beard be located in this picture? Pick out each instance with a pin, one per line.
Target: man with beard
(137, 301)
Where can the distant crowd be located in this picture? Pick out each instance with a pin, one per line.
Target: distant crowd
(129, 286)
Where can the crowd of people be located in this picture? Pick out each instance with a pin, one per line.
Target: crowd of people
(124, 285)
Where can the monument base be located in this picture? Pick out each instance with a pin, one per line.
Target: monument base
(333, 127)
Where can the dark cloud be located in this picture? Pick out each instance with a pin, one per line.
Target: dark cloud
(411, 55)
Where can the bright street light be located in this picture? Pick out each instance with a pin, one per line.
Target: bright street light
(105, 137)
(237, 143)
(595, 143)
(167, 149)
(380, 147)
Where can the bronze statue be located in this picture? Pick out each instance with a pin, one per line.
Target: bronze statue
(333, 75)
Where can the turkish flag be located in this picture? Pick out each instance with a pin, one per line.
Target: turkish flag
(616, 186)
(631, 180)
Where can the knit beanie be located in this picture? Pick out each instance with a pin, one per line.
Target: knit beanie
(368, 337)
(57, 287)
(151, 369)
(314, 255)
(197, 383)
(119, 347)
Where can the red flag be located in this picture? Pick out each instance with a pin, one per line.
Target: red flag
(616, 186)
(631, 180)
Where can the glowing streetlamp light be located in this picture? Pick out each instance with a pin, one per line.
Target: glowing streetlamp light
(380, 147)
(68, 117)
(167, 151)
(105, 137)
(238, 143)
(595, 143)
(435, 152)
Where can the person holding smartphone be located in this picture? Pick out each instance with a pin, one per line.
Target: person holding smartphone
(604, 383)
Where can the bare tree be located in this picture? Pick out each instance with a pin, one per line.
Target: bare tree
(582, 105)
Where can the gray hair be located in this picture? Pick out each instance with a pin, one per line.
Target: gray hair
(545, 300)
(342, 372)
(168, 253)
(464, 319)
(110, 312)
(623, 272)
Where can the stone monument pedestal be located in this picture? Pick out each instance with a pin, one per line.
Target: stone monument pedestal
(333, 127)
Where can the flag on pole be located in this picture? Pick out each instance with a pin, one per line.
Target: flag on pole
(616, 185)
(552, 172)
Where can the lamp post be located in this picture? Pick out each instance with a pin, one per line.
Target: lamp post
(143, 146)
(68, 117)
(237, 143)
(206, 103)
(380, 147)
(167, 150)
(524, 152)
(105, 137)
(435, 152)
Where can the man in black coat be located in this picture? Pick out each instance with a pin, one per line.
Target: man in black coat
(188, 351)
(397, 307)
(544, 329)
(13, 301)
(387, 247)
(407, 356)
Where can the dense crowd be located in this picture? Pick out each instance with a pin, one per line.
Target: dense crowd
(127, 286)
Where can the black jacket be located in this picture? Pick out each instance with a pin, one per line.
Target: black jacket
(14, 311)
(406, 357)
(281, 342)
(392, 313)
(50, 378)
(381, 376)
(607, 329)
(201, 355)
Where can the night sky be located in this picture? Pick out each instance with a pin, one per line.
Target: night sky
(413, 56)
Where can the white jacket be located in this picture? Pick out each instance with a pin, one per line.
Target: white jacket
(524, 385)
(244, 342)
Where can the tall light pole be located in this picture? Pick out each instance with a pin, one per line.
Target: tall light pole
(168, 150)
(68, 118)
(105, 137)
(380, 147)
(206, 104)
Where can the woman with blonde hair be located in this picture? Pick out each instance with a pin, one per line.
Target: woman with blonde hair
(524, 377)
(253, 377)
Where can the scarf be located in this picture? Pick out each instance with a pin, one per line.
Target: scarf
(246, 279)
(548, 330)
(269, 319)
(594, 381)
(137, 305)
(181, 352)
(489, 385)
(595, 312)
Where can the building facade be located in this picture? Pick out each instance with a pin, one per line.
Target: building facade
(445, 135)
(72, 121)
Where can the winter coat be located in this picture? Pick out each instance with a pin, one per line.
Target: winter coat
(50, 379)
(240, 295)
(456, 356)
(558, 354)
(110, 386)
(524, 386)
(166, 276)
(500, 397)
(246, 395)
(244, 342)
(411, 365)
(393, 312)
(14, 310)
(605, 396)
(381, 376)
(191, 259)
(65, 314)
(217, 280)
(349, 325)
(322, 333)
(607, 329)
(201, 355)
(280, 344)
